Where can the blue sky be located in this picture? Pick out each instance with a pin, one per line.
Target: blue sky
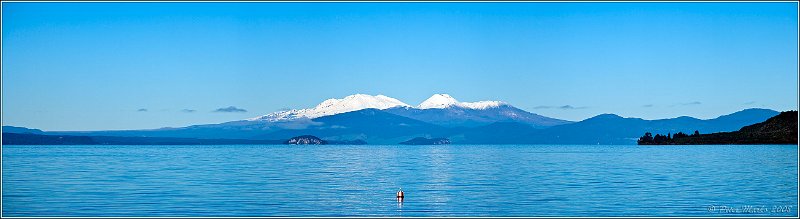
(99, 66)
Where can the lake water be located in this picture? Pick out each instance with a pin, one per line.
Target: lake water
(361, 180)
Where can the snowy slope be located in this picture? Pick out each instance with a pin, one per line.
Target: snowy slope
(441, 101)
(335, 106)
(441, 109)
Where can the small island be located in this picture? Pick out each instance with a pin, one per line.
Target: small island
(426, 141)
(780, 129)
(310, 139)
(306, 139)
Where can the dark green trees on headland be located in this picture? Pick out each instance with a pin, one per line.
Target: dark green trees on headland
(649, 139)
(780, 129)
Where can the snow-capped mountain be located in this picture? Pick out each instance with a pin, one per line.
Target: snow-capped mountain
(439, 109)
(441, 101)
(444, 110)
(363, 101)
(335, 106)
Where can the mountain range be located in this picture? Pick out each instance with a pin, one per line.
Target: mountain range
(384, 120)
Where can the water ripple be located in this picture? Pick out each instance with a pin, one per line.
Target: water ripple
(447, 180)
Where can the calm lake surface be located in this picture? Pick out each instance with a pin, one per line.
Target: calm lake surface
(361, 180)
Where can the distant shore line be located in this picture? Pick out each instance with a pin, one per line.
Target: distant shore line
(780, 129)
(40, 140)
(43, 139)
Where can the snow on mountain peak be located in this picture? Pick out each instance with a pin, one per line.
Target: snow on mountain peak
(441, 101)
(335, 106)
(482, 104)
(357, 102)
(438, 101)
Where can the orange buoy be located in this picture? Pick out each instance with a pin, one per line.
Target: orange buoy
(400, 193)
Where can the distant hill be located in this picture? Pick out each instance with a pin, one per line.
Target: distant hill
(608, 129)
(780, 129)
(426, 141)
(21, 130)
(500, 133)
(456, 116)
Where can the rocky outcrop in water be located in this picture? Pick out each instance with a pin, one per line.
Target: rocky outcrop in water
(305, 139)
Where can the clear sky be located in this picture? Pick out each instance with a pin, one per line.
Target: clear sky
(99, 66)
